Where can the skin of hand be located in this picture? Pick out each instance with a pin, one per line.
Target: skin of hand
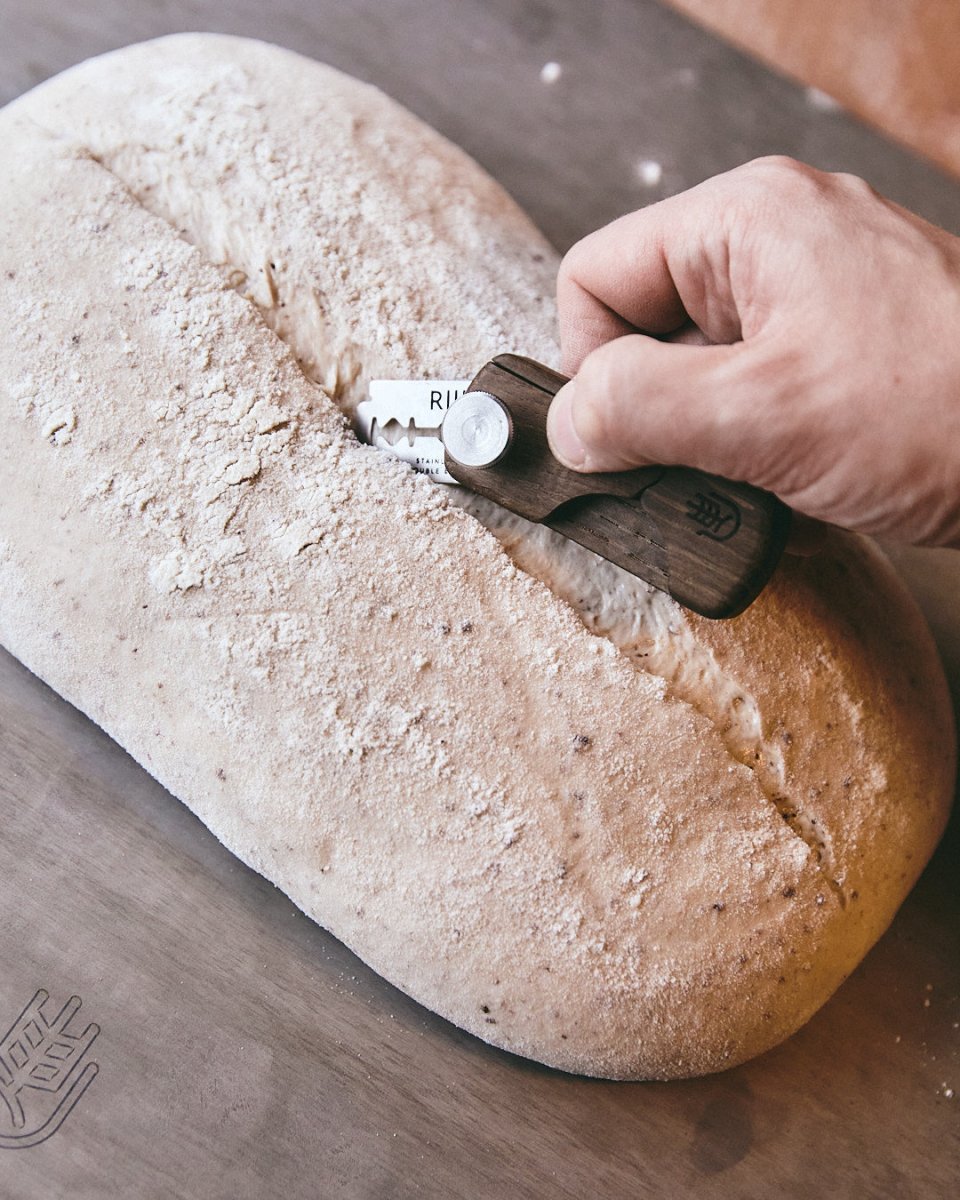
(828, 369)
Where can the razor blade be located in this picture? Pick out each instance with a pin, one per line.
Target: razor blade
(404, 417)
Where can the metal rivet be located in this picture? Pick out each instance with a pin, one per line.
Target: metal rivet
(477, 430)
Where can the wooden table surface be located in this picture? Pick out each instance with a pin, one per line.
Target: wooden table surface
(242, 1052)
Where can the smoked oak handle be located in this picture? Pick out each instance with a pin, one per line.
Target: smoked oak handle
(711, 543)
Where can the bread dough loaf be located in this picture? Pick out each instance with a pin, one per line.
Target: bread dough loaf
(538, 797)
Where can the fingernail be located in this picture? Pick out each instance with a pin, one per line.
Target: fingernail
(561, 435)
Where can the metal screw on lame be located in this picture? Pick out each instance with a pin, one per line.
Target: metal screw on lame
(477, 430)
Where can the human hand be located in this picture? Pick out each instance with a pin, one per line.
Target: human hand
(831, 373)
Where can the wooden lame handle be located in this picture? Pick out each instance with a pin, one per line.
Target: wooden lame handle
(712, 544)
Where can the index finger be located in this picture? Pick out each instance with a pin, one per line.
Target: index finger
(649, 272)
(609, 284)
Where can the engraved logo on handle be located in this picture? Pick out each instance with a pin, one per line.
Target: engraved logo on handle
(717, 515)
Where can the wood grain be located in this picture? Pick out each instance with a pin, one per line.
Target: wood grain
(243, 1052)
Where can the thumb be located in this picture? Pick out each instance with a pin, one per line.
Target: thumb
(636, 400)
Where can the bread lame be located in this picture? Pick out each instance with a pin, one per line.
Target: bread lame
(710, 543)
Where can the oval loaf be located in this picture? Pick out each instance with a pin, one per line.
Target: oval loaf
(541, 799)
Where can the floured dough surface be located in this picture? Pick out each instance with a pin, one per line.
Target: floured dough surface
(535, 795)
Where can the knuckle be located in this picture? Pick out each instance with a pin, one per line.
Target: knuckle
(786, 192)
(566, 272)
(855, 185)
(572, 263)
(778, 176)
(761, 196)
(780, 167)
(776, 162)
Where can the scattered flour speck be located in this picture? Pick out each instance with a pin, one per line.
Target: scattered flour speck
(821, 101)
(649, 172)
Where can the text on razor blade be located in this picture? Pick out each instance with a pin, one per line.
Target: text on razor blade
(403, 417)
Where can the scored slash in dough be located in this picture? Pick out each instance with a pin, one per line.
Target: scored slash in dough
(538, 797)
